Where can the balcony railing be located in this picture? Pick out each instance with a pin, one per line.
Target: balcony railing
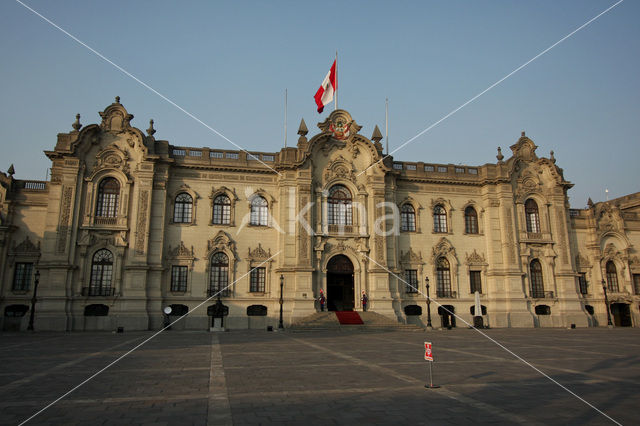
(336, 229)
(98, 291)
(534, 235)
(542, 294)
(447, 294)
(106, 220)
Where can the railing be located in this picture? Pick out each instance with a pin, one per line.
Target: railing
(534, 235)
(98, 291)
(100, 220)
(340, 228)
(447, 294)
(542, 294)
(32, 185)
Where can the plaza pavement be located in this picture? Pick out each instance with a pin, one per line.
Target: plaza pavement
(338, 377)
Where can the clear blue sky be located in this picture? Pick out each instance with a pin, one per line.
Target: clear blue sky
(229, 64)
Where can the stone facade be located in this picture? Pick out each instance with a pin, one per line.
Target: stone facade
(115, 239)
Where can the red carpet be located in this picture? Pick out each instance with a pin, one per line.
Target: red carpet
(348, 317)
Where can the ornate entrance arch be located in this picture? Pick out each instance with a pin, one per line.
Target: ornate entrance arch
(340, 286)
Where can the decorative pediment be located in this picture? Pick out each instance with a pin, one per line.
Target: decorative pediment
(181, 251)
(524, 149)
(112, 158)
(339, 168)
(610, 251)
(608, 218)
(259, 253)
(221, 242)
(475, 258)
(26, 247)
(115, 117)
(340, 125)
(634, 263)
(89, 238)
(410, 257)
(582, 261)
(444, 248)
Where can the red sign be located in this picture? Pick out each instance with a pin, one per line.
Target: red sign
(428, 355)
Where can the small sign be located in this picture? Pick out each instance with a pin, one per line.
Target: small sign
(428, 354)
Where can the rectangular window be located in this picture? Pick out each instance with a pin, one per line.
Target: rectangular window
(179, 278)
(258, 276)
(411, 280)
(22, 276)
(214, 154)
(636, 283)
(582, 282)
(475, 281)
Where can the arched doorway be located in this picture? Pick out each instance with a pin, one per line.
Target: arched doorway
(621, 314)
(340, 291)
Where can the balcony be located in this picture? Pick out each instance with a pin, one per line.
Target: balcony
(542, 294)
(98, 291)
(214, 292)
(446, 294)
(340, 229)
(534, 235)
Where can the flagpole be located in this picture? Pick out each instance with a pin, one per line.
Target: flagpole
(335, 104)
(285, 118)
(386, 123)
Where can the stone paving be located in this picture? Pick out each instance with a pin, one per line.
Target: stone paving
(260, 377)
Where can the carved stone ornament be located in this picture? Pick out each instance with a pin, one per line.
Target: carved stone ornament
(582, 261)
(611, 252)
(259, 253)
(26, 247)
(475, 258)
(340, 124)
(443, 249)
(111, 158)
(608, 218)
(339, 168)
(181, 251)
(410, 257)
(115, 117)
(221, 242)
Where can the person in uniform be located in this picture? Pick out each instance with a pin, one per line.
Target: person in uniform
(322, 300)
(364, 300)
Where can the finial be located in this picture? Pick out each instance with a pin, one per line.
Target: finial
(11, 171)
(151, 131)
(76, 125)
(302, 130)
(590, 203)
(552, 158)
(499, 156)
(522, 134)
(117, 99)
(377, 135)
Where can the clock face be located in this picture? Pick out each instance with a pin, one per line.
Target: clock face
(167, 310)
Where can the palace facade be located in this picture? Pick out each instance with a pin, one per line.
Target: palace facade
(129, 225)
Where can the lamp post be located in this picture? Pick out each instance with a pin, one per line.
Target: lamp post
(429, 326)
(606, 302)
(33, 299)
(280, 325)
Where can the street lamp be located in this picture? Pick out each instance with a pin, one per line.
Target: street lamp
(33, 299)
(606, 302)
(280, 325)
(429, 326)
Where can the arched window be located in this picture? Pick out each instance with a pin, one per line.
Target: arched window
(183, 208)
(101, 273)
(533, 217)
(340, 208)
(470, 220)
(108, 193)
(219, 278)
(259, 212)
(439, 219)
(407, 218)
(612, 277)
(443, 278)
(537, 283)
(222, 210)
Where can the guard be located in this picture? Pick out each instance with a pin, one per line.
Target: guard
(322, 300)
(364, 300)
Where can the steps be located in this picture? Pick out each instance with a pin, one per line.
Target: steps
(324, 321)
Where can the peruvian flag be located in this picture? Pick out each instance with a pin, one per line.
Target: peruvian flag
(324, 95)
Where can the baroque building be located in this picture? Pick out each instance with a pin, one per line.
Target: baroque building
(129, 224)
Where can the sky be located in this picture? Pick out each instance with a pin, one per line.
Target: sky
(229, 63)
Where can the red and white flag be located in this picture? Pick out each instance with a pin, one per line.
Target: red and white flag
(324, 95)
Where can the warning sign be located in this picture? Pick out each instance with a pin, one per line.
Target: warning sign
(428, 354)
